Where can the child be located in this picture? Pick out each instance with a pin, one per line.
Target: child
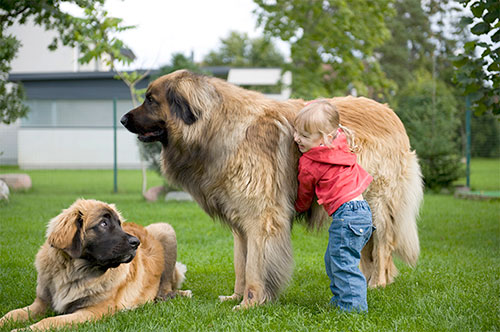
(328, 169)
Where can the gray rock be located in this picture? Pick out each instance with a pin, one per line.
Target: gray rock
(178, 196)
(16, 181)
(153, 193)
(4, 191)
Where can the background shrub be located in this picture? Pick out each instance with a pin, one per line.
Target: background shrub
(429, 112)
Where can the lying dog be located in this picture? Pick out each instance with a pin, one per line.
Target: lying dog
(93, 265)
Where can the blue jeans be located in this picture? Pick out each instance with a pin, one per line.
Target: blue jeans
(350, 230)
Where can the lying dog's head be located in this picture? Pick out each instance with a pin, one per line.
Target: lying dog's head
(181, 96)
(91, 230)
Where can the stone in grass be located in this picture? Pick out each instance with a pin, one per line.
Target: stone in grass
(178, 196)
(17, 181)
(153, 193)
(4, 191)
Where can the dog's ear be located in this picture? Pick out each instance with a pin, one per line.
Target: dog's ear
(191, 95)
(180, 107)
(64, 232)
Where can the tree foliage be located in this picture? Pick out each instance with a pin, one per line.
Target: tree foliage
(423, 37)
(179, 61)
(94, 34)
(478, 76)
(332, 43)
(409, 46)
(238, 50)
(429, 111)
(11, 95)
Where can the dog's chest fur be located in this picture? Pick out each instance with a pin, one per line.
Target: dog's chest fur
(232, 173)
(61, 284)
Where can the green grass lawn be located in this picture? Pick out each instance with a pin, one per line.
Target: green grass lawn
(484, 174)
(455, 286)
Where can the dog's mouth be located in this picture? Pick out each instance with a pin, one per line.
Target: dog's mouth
(118, 261)
(152, 136)
(114, 262)
(128, 258)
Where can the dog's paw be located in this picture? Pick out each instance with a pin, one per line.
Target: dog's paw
(185, 293)
(244, 306)
(233, 297)
(165, 297)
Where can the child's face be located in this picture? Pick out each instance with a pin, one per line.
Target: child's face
(307, 141)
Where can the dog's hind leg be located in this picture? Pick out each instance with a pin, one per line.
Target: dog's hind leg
(395, 207)
(240, 257)
(164, 233)
(34, 310)
(367, 261)
(376, 262)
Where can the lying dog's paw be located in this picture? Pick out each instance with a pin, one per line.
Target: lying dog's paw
(165, 297)
(173, 294)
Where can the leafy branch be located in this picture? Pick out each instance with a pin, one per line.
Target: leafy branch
(479, 76)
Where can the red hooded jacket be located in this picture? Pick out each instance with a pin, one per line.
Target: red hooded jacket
(331, 173)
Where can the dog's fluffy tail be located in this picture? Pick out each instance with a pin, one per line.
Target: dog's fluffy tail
(410, 199)
(179, 274)
(278, 264)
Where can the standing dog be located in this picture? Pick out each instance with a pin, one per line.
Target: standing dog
(93, 265)
(233, 151)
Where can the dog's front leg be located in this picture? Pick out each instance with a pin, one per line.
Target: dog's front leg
(36, 309)
(253, 292)
(269, 261)
(240, 257)
(79, 316)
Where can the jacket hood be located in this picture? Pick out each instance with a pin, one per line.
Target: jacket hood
(338, 154)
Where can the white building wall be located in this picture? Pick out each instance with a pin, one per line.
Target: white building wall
(34, 57)
(75, 148)
(8, 143)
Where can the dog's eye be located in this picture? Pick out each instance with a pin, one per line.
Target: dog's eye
(150, 99)
(104, 223)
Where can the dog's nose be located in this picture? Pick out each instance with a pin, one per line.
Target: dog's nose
(124, 120)
(134, 242)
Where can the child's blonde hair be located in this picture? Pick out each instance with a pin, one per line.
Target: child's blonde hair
(321, 117)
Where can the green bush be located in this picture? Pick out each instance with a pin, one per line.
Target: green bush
(151, 155)
(429, 113)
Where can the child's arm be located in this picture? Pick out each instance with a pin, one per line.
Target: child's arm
(305, 193)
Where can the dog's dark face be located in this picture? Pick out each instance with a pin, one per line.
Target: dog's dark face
(91, 230)
(106, 244)
(164, 105)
